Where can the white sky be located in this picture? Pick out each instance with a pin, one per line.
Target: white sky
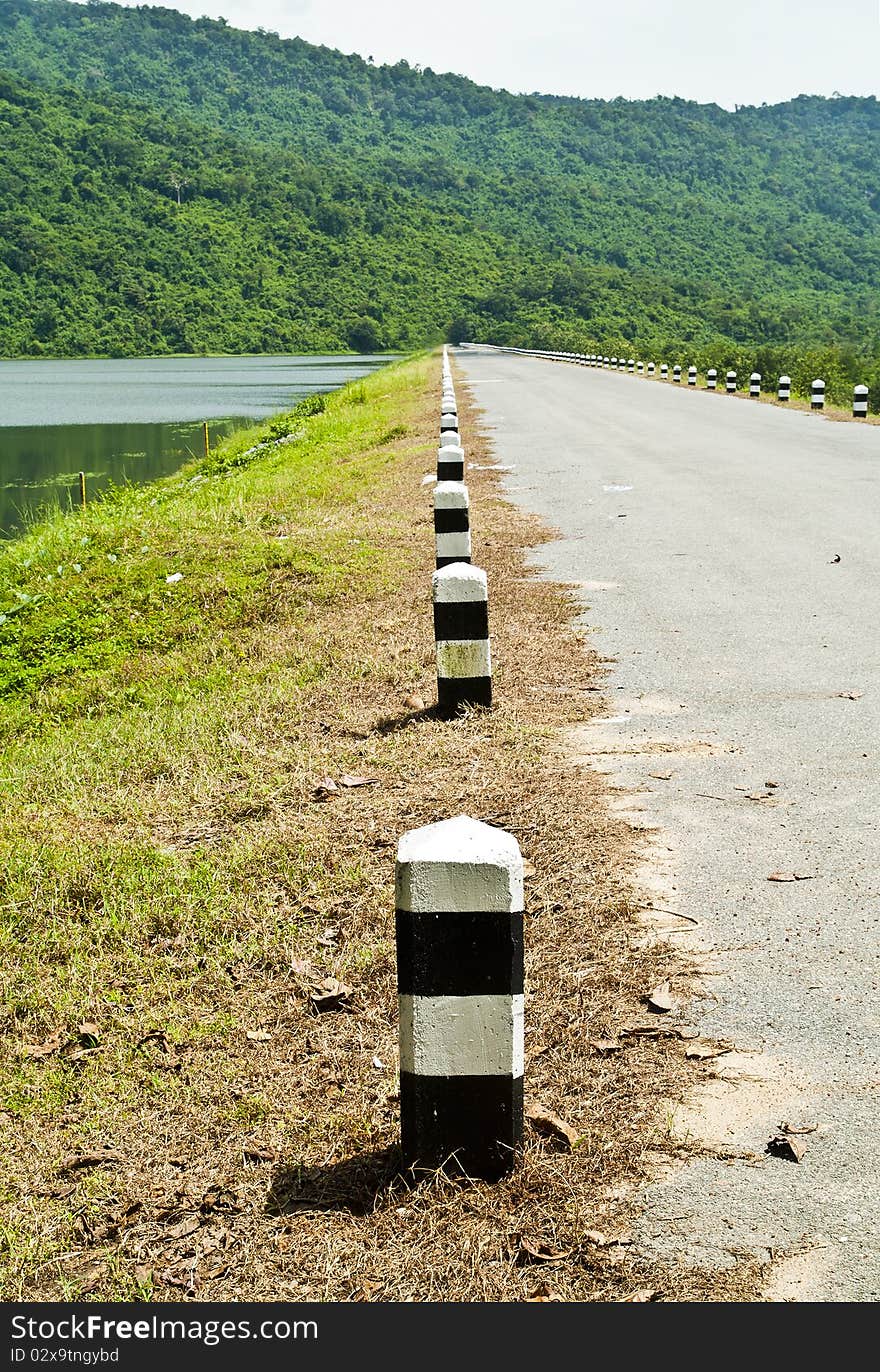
(745, 53)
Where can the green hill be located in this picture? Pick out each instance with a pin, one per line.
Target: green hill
(332, 203)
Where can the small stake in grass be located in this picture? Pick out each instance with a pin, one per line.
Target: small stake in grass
(817, 395)
(452, 527)
(755, 385)
(711, 379)
(461, 634)
(860, 402)
(730, 383)
(784, 391)
(459, 933)
(82, 490)
(207, 441)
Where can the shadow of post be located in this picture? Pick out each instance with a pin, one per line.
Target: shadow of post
(355, 1185)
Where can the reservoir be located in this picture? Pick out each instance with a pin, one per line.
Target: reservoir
(134, 420)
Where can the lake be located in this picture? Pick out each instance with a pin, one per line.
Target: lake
(134, 420)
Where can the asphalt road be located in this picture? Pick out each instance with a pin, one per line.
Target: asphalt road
(728, 557)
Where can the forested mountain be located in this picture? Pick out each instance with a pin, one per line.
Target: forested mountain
(327, 202)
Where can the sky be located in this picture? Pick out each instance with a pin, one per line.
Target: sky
(753, 52)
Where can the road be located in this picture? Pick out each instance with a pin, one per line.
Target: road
(728, 557)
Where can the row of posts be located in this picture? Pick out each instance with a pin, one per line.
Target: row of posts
(459, 898)
(731, 384)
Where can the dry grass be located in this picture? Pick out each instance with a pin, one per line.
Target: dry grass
(254, 1139)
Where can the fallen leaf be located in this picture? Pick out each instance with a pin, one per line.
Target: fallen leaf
(850, 695)
(301, 967)
(42, 1050)
(184, 1228)
(350, 782)
(645, 1294)
(536, 1250)
(792, 876)
(90, 1032)
(414, 702)
(547, 1123)
(661, 776)
(378, 1064)
(259, 1035)
(771, 784)
(542, 1293)
(651, 1031)
(799, 1128)
(706, 1049)
(325, 788)
(602, 1240)
(605, 1046)
(259, 1152)
(660, 999)
(330, 994)
(790, 1148)
(759, 795)
(98, 1158)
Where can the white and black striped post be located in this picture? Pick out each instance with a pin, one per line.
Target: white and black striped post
(650, 368)
(459, 936)
(860, 402)
(461, 635)
(692, 375)
(730, 383)
(817, 395)
(664, 371)
(630, 364)
(448, 420)
(606, 361)
(450, 462)
(783, 391)
(712, 379)
(755, 385)
(676, 372)
(640, 368)
(452, 525)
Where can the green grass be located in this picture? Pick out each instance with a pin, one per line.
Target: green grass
(127, 702)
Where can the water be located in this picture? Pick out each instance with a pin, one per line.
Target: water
(135, 420)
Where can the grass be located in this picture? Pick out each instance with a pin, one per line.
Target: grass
(179, 1118)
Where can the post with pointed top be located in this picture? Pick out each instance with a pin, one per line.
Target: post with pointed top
(650, 368)
(461, 634)
(783, 391)
(676, 372)
(692, 375)
(730, 383)
(664, 371)
(459, 932)
(712, 379)
(860, 402)
(755, 385)
(817, 395)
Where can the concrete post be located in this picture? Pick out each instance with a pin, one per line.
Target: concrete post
(730, 383)
(630, 364)
(650, 368)
(614, 363)
(817, 395)
(640, 368)
(692, 375)
(452, 527)
(784, 389)
(459, 935)
(450, 462)
(755, 385)
(461, 634)
(664, 371)
(860, 402)
(676, 372)
(450, 438)
(712, 379)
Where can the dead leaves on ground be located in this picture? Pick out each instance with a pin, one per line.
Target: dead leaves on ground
(327, 787)
(549, 1125)
(790, 1143)
(661, 1000)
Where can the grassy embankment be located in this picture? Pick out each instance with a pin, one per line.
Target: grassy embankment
(190, 1106)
